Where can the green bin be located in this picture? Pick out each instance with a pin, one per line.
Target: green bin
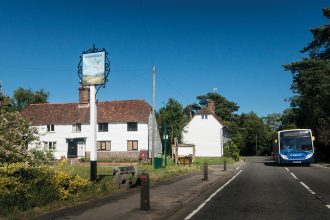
(157, 162)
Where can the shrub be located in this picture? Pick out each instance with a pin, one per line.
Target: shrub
(23, 186)
(231, 150)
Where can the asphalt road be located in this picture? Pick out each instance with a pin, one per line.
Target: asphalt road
(264, 191)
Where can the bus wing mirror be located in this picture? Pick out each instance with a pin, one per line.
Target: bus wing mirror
(313, 138)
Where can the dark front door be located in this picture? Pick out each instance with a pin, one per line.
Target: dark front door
(72, 149)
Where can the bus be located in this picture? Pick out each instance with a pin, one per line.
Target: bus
(293, 146)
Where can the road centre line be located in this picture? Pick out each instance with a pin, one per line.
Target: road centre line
(211, 196)
(304, 185)
(328, 206)
(294, 176)
(287, 169)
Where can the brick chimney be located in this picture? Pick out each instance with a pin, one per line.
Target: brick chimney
(83, 95)
(211, 106)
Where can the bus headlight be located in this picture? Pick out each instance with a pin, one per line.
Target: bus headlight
(284, 157)
(309, 156)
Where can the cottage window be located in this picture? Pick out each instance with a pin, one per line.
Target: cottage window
(132, 126)
(50, 145)
(204, 116)
(76, 127)
(104, 145)
(103, 127)
(132, 145)
(50, 128)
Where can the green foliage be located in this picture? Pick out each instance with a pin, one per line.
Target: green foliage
(230, 149)
(39, 156)
(172, 115)
(190, 110)
(15, 134)
(311, 84)
(212, 160)
(250, 133)
(223, 108)
(24, 97)
(23, 186)
(273, 121)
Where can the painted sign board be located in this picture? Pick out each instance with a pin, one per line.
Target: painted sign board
(93, 70)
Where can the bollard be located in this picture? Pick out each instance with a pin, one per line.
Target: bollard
(205, 172)
(225, 165)
(145, 195)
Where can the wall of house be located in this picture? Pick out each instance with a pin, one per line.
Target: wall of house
(117, 134)
(206, 134)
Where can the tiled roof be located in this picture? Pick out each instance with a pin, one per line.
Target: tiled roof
(71, 113)
(204, 111)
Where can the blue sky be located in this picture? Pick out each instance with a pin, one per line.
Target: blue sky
(235, 46)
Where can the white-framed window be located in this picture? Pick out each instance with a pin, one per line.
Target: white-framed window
(104, 145)
(204, 116)
(50, 128)
(76, 127)
(103, 127)
(132, 145)
(132, 126)
(50, 145)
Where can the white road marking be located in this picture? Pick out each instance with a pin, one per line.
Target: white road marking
(294, 176)
(320, 166)
(211, 196)
(328, 206)
(311, 191)
(287, 169)
(304, 185)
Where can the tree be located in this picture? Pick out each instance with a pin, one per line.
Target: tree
(172, 115)
(311, 84)
(223, 108)
(190, 110)
(273, 121)
(15, 134)
(24, 97)
(251, 135)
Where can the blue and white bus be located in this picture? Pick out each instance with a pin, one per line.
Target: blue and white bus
(293, 146)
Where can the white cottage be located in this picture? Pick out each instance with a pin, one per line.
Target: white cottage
(64, 128)
(207, 132)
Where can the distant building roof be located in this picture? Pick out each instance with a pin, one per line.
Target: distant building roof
(72, 113)
(206, 111)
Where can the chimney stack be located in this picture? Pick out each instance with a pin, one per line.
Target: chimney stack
(211, 106)
(83, 95)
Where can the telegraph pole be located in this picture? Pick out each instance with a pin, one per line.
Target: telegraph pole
(256, 144)
(153, 114)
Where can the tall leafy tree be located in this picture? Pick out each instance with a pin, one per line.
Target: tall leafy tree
(191, 110)
(253, 134)
(15, 133)
(223, 108)
(273, 121)
(311, 84)
(172, 115)
(24, 97)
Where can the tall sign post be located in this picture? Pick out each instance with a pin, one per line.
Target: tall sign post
(93, 71)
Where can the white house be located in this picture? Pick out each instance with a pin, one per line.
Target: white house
(207, 132)
(123, 128)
